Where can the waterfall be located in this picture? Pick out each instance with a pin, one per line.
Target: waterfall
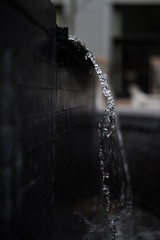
(115, 204)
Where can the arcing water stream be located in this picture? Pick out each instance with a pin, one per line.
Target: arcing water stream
(115, 202)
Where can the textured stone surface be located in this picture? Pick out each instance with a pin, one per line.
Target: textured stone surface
(41, 104)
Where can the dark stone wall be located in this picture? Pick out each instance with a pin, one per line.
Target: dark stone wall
(141, 134)
(43, 100)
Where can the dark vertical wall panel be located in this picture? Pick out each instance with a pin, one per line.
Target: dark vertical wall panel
(27, 89)
(41, 105)
(141, 133)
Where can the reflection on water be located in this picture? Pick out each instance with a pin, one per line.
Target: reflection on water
(73, 225)
(146, 226)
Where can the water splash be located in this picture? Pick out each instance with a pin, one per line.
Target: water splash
(116, 197)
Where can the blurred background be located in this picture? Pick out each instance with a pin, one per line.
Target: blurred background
(125, 37)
